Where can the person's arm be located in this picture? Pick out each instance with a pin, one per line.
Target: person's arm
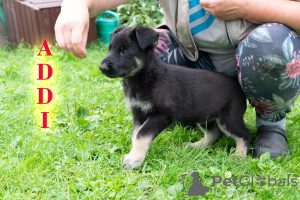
(99, 6)
(72, 25)
(257, 11)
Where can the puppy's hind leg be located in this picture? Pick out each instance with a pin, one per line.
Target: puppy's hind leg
(212, 134)
(235, 128)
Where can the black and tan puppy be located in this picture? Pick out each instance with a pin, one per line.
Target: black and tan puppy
(159, 94)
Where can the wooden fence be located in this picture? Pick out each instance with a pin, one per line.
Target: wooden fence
(34, 20)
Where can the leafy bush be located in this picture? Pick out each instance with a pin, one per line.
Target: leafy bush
(140, 12)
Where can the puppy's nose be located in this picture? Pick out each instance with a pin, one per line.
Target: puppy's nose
(104, 66)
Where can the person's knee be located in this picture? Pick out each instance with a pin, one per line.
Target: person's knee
(268, 37)
(267, 50)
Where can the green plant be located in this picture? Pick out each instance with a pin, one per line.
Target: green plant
(143, 12)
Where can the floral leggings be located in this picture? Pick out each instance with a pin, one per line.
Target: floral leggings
(268, 66)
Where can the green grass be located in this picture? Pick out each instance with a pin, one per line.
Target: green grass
(80, 156)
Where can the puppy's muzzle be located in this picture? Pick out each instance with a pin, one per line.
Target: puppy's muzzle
(104, 67)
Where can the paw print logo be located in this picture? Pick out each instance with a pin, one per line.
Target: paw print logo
(260, 181)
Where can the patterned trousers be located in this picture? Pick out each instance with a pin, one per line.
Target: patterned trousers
(268, 67)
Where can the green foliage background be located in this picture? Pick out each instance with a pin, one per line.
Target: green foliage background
(80, 156)
(140, 13)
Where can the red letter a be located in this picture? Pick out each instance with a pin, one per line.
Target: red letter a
(41, 72)
(41, 96)
(46, 48)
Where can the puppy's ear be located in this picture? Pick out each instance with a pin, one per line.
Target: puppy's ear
(146, 37)
(118, 29)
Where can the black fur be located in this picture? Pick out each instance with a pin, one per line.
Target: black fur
(176, 94)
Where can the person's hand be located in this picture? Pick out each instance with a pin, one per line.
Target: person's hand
(224, 9)
(71, 28)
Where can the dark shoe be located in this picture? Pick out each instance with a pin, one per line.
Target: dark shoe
(270, 139)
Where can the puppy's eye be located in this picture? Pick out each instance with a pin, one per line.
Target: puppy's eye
(124, 52)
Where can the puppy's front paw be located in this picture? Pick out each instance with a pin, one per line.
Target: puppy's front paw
(132, 161)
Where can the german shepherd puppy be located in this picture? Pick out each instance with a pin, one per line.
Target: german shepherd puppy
(161, 94)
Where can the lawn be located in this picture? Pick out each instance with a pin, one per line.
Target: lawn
(80, 155)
